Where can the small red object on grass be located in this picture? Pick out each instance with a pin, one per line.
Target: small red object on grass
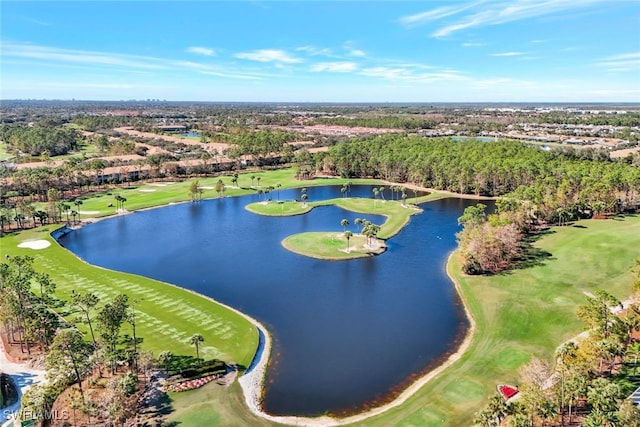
(507, 391)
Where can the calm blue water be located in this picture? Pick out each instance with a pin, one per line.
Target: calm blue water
(345, 332)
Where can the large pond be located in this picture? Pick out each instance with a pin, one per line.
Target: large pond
(346, 333)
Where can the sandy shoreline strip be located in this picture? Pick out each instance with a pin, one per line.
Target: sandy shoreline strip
(252, 382)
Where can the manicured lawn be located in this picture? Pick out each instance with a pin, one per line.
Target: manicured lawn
(523, 313)
(167, 316)
(329, 246)
(332, 246)
(273, 208)
(213, 405)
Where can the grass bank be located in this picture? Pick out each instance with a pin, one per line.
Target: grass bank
(167, 316)
(523, 313)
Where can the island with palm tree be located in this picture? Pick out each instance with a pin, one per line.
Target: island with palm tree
(369, 240)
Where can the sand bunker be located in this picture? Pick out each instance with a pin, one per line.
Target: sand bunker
(206, 188)
(35, 244)
(147, 190)
(88, 212)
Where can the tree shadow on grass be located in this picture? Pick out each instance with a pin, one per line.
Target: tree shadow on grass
(179, 363)
(533, 256)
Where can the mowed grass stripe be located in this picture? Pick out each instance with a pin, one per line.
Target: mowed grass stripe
(167, 315)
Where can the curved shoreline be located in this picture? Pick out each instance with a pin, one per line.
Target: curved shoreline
(252, 386)
(252, 381)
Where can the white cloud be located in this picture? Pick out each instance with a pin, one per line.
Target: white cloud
(408, 74)
(335, 67)
(351, 50)
(53, 56)
(508, 54)
(472, 44)
(484, 13)
(435, 14)
(201, 50)
(31, 51)
(268, 55)
(621, 62)
(314, 50)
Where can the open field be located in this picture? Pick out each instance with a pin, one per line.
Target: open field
(519, 314)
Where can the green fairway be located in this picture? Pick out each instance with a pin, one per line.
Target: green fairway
(525, 313)
(518, 314)
(167, 316)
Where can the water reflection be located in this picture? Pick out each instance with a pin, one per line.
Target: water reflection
(345, 333)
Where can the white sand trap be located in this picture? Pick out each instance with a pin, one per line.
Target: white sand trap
(88, 212)
(206, 188)
(160, 184)
(147, 190)
(35, 244)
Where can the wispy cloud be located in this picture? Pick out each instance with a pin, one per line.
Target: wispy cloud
(435, 14)
(25, 50)
(508, 54)
(484, 13)
(269, 55)
(198, 50)
(408, 74)
(47, 55)
(349, 46)
(621, 62)
(473, 44)
(34, 21)
(315, 51)
(334, 67)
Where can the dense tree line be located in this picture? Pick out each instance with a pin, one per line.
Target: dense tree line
(545, 179)
(259, 144)
(36, 140)
(630, 119)
(386, 122)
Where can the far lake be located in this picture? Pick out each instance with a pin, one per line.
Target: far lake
(345, 333)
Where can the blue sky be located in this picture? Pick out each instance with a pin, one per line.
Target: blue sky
(322, 51)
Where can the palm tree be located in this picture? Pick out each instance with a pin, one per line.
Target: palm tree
(381, 190)
(278, 187)
(258, 179)
(252, 178)
(348, 235)
(344, 224)
(359, 221)
(343, 190)
(234, 180)
(65, 209)
(219, 187)
(566, 355)
(78, 203)
(196, 339)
